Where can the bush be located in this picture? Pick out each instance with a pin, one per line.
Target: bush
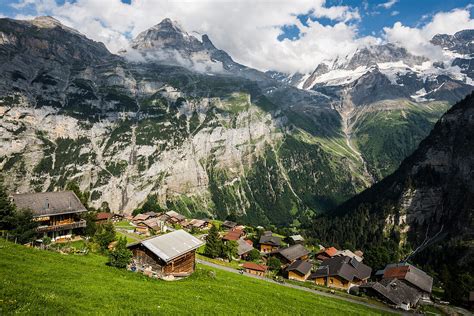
(104, 236)
(253, 255)
(274, 264)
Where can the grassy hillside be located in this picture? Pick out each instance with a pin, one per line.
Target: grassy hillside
(41, 282)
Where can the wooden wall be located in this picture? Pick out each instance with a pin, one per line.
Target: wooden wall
(298, 277)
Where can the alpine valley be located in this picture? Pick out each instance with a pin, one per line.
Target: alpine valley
(174, 120)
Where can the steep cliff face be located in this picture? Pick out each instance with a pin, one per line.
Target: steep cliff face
(206, 144)
(424, 211)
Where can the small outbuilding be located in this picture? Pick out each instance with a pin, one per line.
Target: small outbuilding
(172, 254)
(255, 269)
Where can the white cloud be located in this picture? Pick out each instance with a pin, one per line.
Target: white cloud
(388, 4)
(394, 13)
(417, 40)
(247, 29)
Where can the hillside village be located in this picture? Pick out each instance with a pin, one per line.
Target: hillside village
(167, 245)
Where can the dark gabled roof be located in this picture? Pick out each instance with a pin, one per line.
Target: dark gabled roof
(229, 224)
(49, 203)
(409, 273)
(344, 267)
(270, 240)
(300, 266)
(395, 291)
(293, 252)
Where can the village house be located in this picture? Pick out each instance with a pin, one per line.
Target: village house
(299, 270)
(57, 213)
(169, 255)
(140, 218)
(296, 239)
(243, 248)
(290, 254)
(341, 272)
(326, 254)
(150, 227)
(103, 217)
(348, 253)
(255, 269)
(393, 292)
(228, 225)
(199, 224)
(269, 243)
(400, 284)
(175, 218)
(233, 234)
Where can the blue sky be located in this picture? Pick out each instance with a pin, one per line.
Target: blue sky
(374, 16)
(285, 35)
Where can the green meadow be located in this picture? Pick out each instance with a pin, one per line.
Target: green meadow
(35, 281)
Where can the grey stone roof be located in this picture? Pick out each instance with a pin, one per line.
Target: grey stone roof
(243, 247)
(395, 291)
(300, 266)
(344, 267)
(409, 273)
(49, 203)
(293, 252)
(172, 245)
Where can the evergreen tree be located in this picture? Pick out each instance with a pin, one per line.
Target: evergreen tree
(105, 235)
(120, 256)
(91, 226)
(229, 249)
(24, 229)
(7, 209)
(274, 264)
(253, 255)
(213, 243)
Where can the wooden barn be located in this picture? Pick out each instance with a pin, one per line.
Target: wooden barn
(172, 254)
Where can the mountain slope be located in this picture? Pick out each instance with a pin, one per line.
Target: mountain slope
(202, 143)
(424, 211)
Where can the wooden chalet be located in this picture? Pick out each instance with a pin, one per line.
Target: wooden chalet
(233, 234)
(58, 213)
(175, 218)
(393, 292)
(150, 226)
(140, 218)
(228, 224)
(103, 217)
(243, 248)
(299, 270)
(172, 254)
(269, 243)
(296, 239)
(255, 269)
(410, 275)
(341, 272)
(327, 253)
(290, 254)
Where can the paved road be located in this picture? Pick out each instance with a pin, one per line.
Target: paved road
(302, 288)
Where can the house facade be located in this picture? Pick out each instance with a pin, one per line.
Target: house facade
(57, 213)
(269, 243)
(172, 254)
(255, 269)
(299, 270)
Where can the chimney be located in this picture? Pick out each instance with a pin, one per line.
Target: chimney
(47, 204)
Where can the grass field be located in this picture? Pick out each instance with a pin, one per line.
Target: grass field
(41, 282)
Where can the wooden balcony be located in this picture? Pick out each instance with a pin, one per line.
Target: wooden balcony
(56, 228)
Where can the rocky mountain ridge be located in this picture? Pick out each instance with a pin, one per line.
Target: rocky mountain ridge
(206, 141)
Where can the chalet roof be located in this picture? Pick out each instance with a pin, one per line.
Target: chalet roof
(300, 266)
(197, 223)
(411, 274)
(293, 252)
(233, 234)
(153, 223)
(229, 224)
(348, 253)
(344, 267)
(297, 238)
(169, 246)
(151, 214)
(243, 247)
(270, 240)
(141, 217)
(395, 291)
(330, 252)
(254, 266)
(176, 215)
(103, 216)
(49, 203)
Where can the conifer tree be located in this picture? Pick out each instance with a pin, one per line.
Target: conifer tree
(7, 209)
(120, 256)
(213, 243)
